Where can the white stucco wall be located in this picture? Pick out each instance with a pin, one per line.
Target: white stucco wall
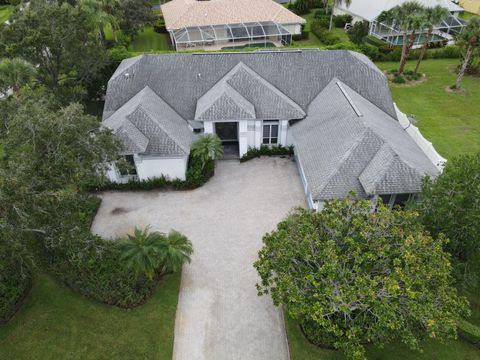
(155, 167)
(293, 28)
(427, 147)
(311, 204)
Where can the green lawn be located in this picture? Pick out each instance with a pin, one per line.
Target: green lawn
(5, 12)
(56, 323)
(449, 120)
(301, 349)
(150, 41)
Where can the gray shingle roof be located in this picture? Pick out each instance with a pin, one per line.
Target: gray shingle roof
(346, 143)
(222, 102)
(181, 79)
(147, 125)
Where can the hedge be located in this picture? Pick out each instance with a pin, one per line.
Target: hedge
(469, 332)
(15, 283)
(265, 150)
(196, 176)
(89, 264)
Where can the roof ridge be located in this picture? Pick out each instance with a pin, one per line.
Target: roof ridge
(160, 125)
(346, 156)
(269, 85)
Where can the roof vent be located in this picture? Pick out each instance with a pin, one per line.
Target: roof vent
(127, 75)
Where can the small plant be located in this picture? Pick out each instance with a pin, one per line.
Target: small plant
(265, 150)
(206, 148)
(149, 253)
(399, 79)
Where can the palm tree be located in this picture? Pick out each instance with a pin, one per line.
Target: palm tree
(176, 250)
(208, 147)
(148, 252)
(15, 73)
(142, 251)
(335, 4)
(100, 14)
(410, 17)
(433, 15)
(471, 37)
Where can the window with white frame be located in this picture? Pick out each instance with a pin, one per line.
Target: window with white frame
(270, 132)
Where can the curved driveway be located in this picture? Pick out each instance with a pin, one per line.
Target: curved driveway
(219, 315)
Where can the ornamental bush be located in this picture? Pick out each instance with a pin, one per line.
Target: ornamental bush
(15, 282)
(450, 205)
(353, 276)
(90, 265)
(265, 150)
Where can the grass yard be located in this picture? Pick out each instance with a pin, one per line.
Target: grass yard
(5, 12)
(449, 120)
(150, 41)
(301, 349)
(56, 323)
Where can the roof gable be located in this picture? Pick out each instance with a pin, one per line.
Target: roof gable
(222, 102)
(181, 79)
(348, 144)
(147, 125)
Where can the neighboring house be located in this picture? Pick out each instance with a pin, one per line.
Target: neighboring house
(216, 24)
(472, 6)
(368, 10)
(335, 107)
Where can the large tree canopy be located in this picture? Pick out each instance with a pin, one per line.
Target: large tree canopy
(450, 205)
(61, 40)
(48, 156)
(353, 276)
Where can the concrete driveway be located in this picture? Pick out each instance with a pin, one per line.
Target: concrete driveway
(219, 315)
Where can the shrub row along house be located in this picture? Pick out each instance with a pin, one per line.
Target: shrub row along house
(216, 24)
(335, 107)
(391, 33)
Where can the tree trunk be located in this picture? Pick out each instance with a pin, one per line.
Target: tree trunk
(424, 50)
(404, 52)
(331, 20)
(325, 6)
(407, 46)
(461, 73)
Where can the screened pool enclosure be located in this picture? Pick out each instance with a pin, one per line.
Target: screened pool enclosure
(242, 34)
(443, 31)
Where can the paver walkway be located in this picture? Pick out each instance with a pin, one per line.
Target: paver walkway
(219, 315)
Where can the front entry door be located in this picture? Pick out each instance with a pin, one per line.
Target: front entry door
(227, 131)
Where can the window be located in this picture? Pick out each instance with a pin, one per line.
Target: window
(129, 168)
(270, 132)
(396, 199)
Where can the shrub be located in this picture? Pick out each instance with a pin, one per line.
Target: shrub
(90, 265)
(321, 31)
(469, 332)
(265, 150)
(353, 276)
(159, 26)
(399, 79)
(15, 283)
(319, 25)
(300, 7)
(340, 20)
(359, 32)
(369, 50)
(449, 205)
(320, 13)
(196, 176)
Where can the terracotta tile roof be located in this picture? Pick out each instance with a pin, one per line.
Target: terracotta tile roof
(188, 13)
